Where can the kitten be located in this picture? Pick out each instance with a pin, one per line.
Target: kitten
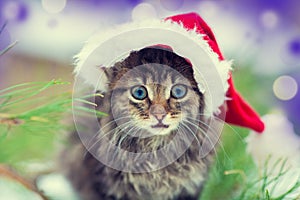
(154, 108)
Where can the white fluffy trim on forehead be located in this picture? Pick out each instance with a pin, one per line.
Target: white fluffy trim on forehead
(108, 47)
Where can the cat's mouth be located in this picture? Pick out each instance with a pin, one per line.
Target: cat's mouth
(160, 125)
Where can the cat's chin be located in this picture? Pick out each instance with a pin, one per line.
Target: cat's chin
(160, 129)
(162, 126)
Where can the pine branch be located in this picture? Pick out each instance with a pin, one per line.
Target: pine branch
(12, 175)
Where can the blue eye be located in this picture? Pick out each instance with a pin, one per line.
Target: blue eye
(178, 91)
(139, 92)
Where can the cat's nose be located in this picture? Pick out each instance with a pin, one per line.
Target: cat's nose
(158, 111)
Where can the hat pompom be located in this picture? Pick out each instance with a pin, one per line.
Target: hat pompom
(277, 152)
(279, 141)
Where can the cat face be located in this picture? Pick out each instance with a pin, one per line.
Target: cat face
(153, 98)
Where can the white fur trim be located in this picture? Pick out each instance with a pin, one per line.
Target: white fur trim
(278, 141)
(108, 47)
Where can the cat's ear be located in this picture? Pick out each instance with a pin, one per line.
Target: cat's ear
(108, 72)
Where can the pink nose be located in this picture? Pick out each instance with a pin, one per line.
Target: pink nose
(158, 111)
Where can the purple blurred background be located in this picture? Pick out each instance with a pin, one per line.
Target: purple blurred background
(262, 33)
(264, 28)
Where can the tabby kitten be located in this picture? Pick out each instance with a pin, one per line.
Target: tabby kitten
(148, 147)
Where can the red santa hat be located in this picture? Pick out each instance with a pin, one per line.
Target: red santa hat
(188, 36)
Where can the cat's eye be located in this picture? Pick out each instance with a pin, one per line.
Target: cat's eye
(139, 92)
(178, 91)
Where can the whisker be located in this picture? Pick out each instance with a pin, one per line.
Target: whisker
(120, 128)
(220, 119)
(133, 128)
(114, 120)
(133, 135)
(120, 141)
(226, 124)
(213, 131)
(99, 139)
(116, 129)
(107, 133)
(107, 124)
(128, 132)
(203, 123)
(192, 132)
(204, 133)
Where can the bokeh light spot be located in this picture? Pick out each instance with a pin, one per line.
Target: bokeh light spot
(269, 19)
(143, 11)
(285, 87)
(208, 8)
(13, 10)
(52, 23)
(23, 12)
(294, 46)
(171, 4)
(290, 51)
(54, 6)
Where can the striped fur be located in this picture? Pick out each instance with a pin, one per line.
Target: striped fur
(158, 70)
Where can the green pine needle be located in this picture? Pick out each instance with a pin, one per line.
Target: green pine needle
(31, 133)
(11, 45)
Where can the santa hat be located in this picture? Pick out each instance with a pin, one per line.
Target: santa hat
(188, 36)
